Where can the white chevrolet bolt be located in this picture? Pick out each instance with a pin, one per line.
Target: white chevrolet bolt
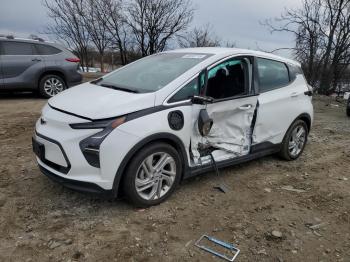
(143, 128)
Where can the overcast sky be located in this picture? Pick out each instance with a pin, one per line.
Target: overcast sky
(233, 20)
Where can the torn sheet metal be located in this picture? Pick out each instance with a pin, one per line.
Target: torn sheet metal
(230, 134)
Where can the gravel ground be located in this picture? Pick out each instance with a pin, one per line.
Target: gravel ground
(274, 211)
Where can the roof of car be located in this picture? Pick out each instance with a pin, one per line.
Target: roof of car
(21, 40)
(33, 41)
(225, 51)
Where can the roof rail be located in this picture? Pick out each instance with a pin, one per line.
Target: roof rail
(11, 37)
(7, 36)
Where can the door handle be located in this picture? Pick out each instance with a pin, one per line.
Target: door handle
(36, 60)
(245, 107)
(294, 94)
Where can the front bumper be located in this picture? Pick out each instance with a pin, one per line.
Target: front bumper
(54, 163)
(62, 155)
(39, 149)
(79, 186)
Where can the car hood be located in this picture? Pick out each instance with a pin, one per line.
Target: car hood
(97, 102)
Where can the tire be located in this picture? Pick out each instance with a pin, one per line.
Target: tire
(348, 108)
(150, 193)
(57, 85)
(287, 152)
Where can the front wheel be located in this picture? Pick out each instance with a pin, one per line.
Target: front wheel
(294, 141)
(152, 175)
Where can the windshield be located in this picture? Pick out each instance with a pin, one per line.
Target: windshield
(152, 73)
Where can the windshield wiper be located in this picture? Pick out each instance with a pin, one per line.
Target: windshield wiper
(96, 81)
(119, 88)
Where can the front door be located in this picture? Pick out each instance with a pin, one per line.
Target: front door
(230, 85)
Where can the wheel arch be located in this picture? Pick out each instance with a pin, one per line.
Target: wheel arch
(168, 138)
(306, 118)
(51, 72)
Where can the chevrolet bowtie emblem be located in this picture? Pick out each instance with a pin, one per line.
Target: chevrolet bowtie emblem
(42, 121)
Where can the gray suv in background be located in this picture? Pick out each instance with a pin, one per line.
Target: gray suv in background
(31, 65)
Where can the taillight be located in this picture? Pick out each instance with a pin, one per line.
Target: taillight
(73, 60)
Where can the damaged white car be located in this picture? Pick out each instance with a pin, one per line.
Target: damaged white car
(143, 128)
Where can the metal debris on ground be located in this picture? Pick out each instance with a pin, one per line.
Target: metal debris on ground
(292, 189)
(318, 226)
(230, 248)
(222, 187)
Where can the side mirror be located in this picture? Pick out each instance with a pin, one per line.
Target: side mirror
(204, 122)
(201, 100)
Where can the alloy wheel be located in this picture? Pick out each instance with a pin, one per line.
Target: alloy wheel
(297, 141)
(155, 176)
(53, 86)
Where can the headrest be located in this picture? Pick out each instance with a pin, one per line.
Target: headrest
(236, 67)
(222, 72)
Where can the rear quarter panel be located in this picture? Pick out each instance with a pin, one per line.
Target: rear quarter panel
(279, 108)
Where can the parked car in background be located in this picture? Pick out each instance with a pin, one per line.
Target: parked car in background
(143, 128)
(346, 95)
(31, 65)
(90, 69)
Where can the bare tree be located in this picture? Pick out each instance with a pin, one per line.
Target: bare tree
(155, 22)
(68, 25)
(200, 37)
(322, 33)
(95, 27)
(336, 17)
(304, 23)
(110, 12)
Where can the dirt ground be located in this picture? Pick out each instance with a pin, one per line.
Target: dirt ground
(42, 221)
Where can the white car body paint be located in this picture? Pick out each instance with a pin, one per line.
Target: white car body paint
(276, 111)
(96, 102)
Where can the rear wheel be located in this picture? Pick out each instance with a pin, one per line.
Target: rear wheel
(294, 141)
(51, 85)
(348, 107)
(152, 175)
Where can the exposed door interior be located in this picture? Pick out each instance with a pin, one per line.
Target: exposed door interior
(230, 85)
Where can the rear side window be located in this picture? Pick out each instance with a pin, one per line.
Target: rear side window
(294, 71)
(46, 50)
(16, 48)
(272, 74)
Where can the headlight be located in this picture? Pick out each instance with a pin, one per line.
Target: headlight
(90, 146)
